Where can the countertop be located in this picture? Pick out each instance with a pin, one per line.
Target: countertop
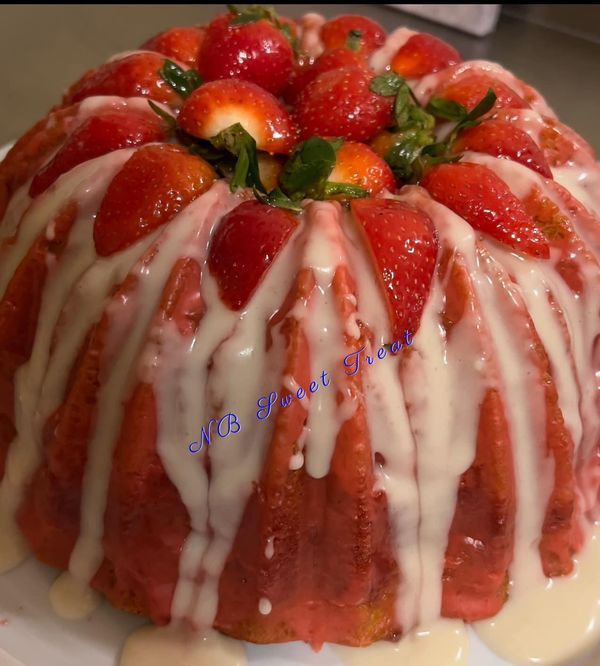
(44, 48)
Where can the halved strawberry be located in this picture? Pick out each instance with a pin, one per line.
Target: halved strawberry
(357, 164)
(472, 87)
(484, 200)
(244, 245)
(404, 247)
(182, 44)
(256, 51)
(214, 106)
(306, 72)
(32, 150)
(423, 54)
(366, 34)
(134, 75)
(503, 139)
(340, 103)
(154, 184)
(97, 136)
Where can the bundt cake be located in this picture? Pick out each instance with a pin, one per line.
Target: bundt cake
(298, 332)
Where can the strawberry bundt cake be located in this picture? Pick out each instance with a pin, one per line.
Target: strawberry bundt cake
(391, 253)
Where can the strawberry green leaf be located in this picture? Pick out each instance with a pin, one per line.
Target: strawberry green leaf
(168, 119)
(309, 165)
(253, 13)
(238, 142)
(446, 109)
(387, 84)
(183, 82)
(471, 119)
(406, 151)
(278, 199)
(331, 190)
(354, 40)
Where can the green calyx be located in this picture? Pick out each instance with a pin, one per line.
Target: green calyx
(415, 147)
(183, 82)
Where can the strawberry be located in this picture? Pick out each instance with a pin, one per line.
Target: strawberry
(219, 104)
(244, 245)
(471, 88)
(257, 51)
(132, 76)
(356, 164)
(403, 245)
(97, 136)
(483, 199)
(423, 54)
(503, 139)
(340, 103)
(358, 32)
(307, 72)
(181, 44)
(154, 184)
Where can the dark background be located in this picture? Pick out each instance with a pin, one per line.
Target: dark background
(44, 48)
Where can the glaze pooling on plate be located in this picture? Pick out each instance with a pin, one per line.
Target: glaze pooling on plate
(496, 399)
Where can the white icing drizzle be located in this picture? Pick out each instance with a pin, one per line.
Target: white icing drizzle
(554, 622)
(235, 343)
(381, 58)
(270, 548)
(309, 34)
(157, 646)
(130, 317)
(580, 314)
(321, 324)
(86, 184)
(443, 643)
(71, 599)
(582, 182)
(264, 606)
(425, 439)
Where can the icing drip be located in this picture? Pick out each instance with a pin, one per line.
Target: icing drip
(444, 643)
(242, 370)
(24, 453)
(71, 599)
(320, 320)
(156, 646)
(554, 622)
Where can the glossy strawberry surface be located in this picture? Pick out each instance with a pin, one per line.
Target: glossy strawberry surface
(484, 200)
(503, 139)
(341, 103)
(423, 54)
(217, 105)
(404, 246)
(152, 187)
(181, 44)
(361, 33)
(244, 245)
(98, 135)
(257, 51)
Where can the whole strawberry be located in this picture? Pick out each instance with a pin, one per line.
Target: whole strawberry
(423, 54)
(255, 51)
(340, 103)
(358, 32)
(181, 44)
